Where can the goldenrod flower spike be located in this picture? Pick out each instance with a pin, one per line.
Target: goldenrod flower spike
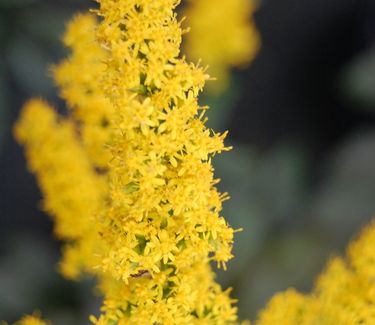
(223, 35)
(128, 176)
(163, 221)
(162, 181)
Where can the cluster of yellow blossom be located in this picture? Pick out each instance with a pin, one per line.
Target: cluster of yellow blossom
(31, 320)
(127, 176)
(79, 80)
(343, 294)
(72, 191)
(222, 34)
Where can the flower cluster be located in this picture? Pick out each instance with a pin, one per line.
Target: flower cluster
(72, 192)
(79, 80)
(344, 293)
(222, 34)
(31, 320)
(127, 176)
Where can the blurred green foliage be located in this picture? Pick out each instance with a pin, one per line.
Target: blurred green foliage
(30, 31)
(358, 80)
(29, 281)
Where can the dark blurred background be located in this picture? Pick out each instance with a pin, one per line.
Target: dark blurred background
(301, 175)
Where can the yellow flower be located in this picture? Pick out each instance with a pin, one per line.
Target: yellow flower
(79, 78)
(69, 184)
(161, 175)
(344, 293)
(285, 308)
(31, 320)
(128, 175)
(72, 191)
(222, 34)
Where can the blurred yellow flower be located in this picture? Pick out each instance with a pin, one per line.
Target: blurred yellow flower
(343, 294)
(72, 191)
(222, 34)
(31, 320)
(79, 80)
